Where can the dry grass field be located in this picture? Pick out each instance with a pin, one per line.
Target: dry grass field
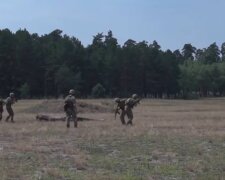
(170, 139)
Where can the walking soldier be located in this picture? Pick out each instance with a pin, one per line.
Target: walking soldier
(70, 108)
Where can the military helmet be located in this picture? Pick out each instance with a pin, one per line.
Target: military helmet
(117, 100)
(128, 101)
(134, 96)
(11, 94)
(72, 92)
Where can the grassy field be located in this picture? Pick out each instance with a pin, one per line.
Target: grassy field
(170, 139)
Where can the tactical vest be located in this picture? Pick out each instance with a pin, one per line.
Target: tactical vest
(70, 100)
(130, 102)
(121, 104)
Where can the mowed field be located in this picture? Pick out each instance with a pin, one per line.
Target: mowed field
(170, 139)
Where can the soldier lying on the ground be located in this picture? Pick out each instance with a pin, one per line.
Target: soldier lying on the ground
(44, 117)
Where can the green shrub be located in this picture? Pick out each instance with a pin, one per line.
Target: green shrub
(98, 91)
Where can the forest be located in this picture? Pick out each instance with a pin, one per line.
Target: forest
(47, 66)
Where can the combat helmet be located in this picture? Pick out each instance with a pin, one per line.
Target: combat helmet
(71, 92)
(117, 100)
(11, 94)
(134, 96)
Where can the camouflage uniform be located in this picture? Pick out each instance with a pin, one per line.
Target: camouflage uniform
(9, 102)
(120, 106)
(70, 109)
(1, 108)
(129, 104)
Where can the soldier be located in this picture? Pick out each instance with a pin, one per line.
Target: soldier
(70, 108)
(1, 107)
(9, 102)
(120, 109)
(129, 104)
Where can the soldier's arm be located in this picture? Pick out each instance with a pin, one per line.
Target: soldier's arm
(116, 110)
(14, 100)
(7, 101)
(75, 104)
(65, 106)
(136, 102)
(116, 107)
(3, 102)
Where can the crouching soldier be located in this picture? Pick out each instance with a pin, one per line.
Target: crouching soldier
(70, 108)
(1, 107)
(129, 105)
(9, 102)
(120, 109)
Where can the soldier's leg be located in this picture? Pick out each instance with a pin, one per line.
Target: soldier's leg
(74, 118)
(68, 121)
(12, 118)
(122, 117)
(75, 121)
(68, 116)
(0, 116)
(71, 117)
(12, 115)
(7, 118)
(130, 117)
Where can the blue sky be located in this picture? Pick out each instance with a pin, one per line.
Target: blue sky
(172, 23)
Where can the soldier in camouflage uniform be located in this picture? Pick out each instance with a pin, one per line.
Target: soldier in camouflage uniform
(9, 102)
(1, 107)
(120, 109)
(129, 104)
(70, 108)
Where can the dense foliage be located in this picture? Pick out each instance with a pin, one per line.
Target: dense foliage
(49, 65)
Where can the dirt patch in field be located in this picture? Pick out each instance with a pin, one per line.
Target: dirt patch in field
(56, 106)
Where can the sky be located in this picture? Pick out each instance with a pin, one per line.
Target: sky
(172, 23)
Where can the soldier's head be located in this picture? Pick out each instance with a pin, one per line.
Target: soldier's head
(117, 100)
(12, 95)
(71, 92)
(134, 96)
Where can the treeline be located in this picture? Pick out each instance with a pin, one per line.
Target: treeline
(49, 65)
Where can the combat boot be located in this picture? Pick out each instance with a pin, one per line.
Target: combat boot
(123, 121)
(129, 122)
(75, 124)
(6, 120)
